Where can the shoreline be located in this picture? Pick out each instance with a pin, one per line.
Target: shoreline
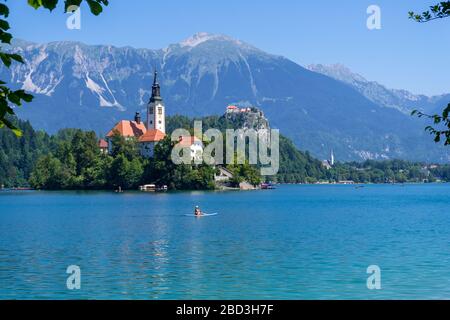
(355, 185)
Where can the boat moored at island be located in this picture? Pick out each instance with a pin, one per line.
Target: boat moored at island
(153, 188)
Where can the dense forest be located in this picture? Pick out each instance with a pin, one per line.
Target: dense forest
(388, 171)
(18, 156)
(71, 159)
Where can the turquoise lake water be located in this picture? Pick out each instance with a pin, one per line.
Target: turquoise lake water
(296, 242)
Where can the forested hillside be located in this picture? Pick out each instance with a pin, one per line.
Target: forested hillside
(70, 159)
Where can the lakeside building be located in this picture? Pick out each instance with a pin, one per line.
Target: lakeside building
(235, 109)
(103, 146)
(148, 141)
(223, 175)
(328, 164)
(127, 129)
(151, 132)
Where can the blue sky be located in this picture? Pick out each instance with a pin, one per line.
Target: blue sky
(403, 54)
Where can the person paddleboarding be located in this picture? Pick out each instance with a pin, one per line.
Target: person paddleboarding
(197, 211)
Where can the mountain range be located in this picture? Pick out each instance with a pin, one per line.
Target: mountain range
(321, 108)
(401, 100)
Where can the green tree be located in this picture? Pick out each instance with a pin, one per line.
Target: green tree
(18, 155)
(244, 172)
(51, 174)
(162, 171)
(125, 173)
(84, 147)
(125, 146)
(97, 175)
(8, 96)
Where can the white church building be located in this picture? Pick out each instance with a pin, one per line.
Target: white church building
(154, 130)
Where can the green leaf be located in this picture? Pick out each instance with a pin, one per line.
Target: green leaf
(17, 132)
(96, 8)
(14, 98)
(446, 112)
(23, 95)
(17, 57)
(8, 57)
(69, 3)
(5, 59)
(35, 3)
(14, 129)
(5, 37)
(4, 11)
(4, 25)
(9, 110)
(49, 4)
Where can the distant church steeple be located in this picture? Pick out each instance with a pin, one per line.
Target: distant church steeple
(156, 89)
(156, 114)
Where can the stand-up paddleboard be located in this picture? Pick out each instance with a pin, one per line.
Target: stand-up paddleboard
(203, 215)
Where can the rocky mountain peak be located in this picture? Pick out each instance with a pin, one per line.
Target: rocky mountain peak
(202, 37)
(337, 71)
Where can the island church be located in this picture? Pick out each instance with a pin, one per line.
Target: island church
(148, 134)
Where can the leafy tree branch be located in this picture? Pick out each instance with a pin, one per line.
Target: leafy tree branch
(9, 99)
(438, 11)
(443, 120)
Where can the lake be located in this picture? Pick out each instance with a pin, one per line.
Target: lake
(296, 242)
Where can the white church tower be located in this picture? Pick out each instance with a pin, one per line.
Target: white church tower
(156, 113)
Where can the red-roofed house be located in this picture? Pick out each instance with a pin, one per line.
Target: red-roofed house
(103, 146)
(232, 109)
(127, 129)
(149, 140)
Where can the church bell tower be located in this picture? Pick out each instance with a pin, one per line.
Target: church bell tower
(156, 113)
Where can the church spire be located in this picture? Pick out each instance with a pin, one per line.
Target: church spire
(156, 89)
(155, 110)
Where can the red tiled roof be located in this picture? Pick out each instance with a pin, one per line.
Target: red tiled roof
(187, 141)
(102, 143)
(128, 129)
(152, 135)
